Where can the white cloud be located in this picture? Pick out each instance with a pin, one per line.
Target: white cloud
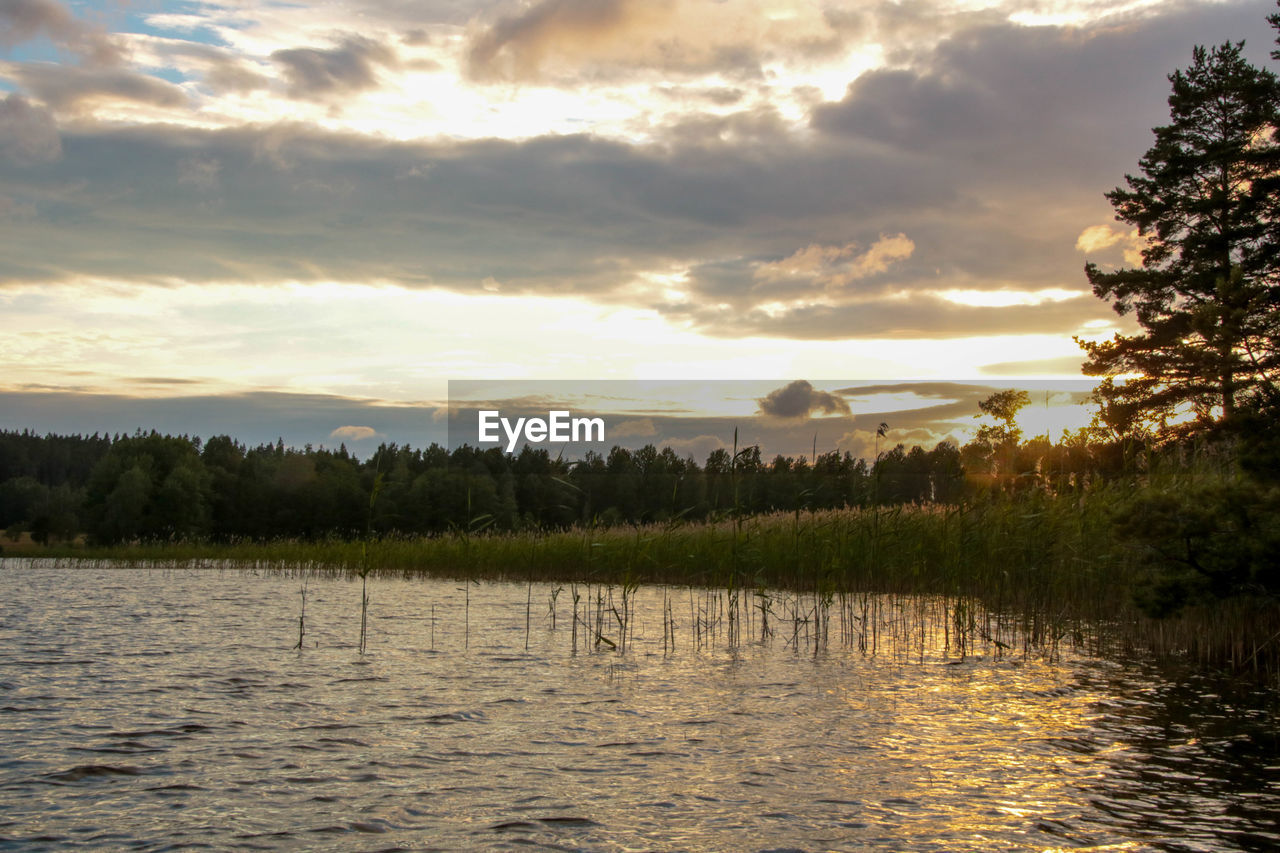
(1097, 238)
(699, 447)
(354, 433)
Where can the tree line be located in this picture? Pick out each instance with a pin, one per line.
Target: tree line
(154, 487)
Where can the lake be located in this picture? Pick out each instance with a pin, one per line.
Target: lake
(149, 709)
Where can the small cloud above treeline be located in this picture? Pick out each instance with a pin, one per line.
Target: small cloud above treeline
(354, 433)
(799, 399)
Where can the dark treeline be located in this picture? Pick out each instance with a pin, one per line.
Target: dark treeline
(153, 487)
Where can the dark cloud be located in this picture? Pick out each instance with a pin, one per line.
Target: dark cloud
(570, 214)
(760, 127)
(550, 216)
(416, 38)
(996, 97)
(26, 19)
(799, 400)
(73, 89)
(28, 133)
(721, 96)
(23, 20)
(321, 73)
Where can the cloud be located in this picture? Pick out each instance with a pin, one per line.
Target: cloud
(23, 20)
(997, 97)
(976, 165)
(320, 73)
(907, 315)
(908, 406)
(1035, 367)
(569, 214)
(832, 268)
(760, 127)
(199, 172)
(699, 447)
(76, 89)
(1097, 238)
(354, 433)
(562, 41)
(516, 44)
(863, 443)
(565, 215)
(799, 400)
(162, 380)
(721, 96)
(937, 389)
(223, 70)
(633, 428)
(11, 209)
(28, 133)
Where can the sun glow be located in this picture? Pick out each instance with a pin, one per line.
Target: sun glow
(1006, 298)
(395, 343)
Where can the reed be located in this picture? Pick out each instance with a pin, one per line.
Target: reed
(302, 612)
(1048, 563)
(1037, 551)
(363, 570)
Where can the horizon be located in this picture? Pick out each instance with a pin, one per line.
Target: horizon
(692, 417)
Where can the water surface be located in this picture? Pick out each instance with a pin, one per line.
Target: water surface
(157, 710)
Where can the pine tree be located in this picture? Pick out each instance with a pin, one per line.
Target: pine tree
(1207, 295)
(1275, 22)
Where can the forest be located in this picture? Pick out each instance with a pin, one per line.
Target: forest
(153, 487)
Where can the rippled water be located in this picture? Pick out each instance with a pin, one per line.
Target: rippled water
(160, 710)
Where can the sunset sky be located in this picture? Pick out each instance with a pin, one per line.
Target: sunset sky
(285, 219)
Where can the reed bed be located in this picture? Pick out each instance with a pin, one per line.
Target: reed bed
(902, 628)
(1048, 563)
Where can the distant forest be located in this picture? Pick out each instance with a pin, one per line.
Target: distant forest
(153, 487)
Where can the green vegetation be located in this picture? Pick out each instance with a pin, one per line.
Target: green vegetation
(1056, 563)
